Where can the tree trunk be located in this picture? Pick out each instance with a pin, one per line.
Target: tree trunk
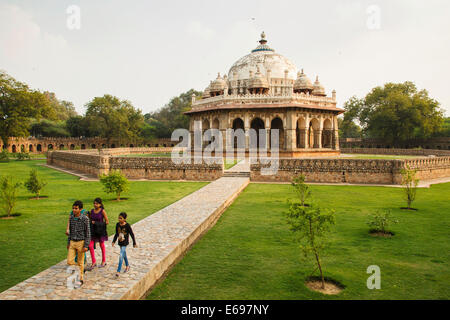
(320, 268)
(316, 254)
(118, 197)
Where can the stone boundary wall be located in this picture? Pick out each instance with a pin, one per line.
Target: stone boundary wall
(166, 169)
(358, 171)
(440, 143)
(412, 152)
(85, 162)
(430, 168)
(153, 168)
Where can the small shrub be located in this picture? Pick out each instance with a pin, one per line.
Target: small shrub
(301, 188)
(380, 221)
(8, 194)
(34, 184)
(115, 182)
(4, 156)
(22, 156)
(409, 183)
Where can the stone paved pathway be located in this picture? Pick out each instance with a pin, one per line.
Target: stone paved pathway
(162, 238)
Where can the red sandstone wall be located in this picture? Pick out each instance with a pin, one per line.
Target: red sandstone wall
(411, 152)
(361, 171)
(154, 168)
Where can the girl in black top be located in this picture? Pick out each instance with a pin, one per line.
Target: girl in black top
(123, 231)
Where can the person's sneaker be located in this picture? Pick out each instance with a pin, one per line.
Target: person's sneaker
(117, 274)
(78, 284)
(127, 269)
(102, 265)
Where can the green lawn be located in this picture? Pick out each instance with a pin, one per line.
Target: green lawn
(249, 253)
(229, 163)
(35, 240)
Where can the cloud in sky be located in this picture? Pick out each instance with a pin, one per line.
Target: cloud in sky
(149, 52)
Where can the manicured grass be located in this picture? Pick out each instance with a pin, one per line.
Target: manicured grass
(250, 254)
(229, 163)
(380, 156)
(35, 240)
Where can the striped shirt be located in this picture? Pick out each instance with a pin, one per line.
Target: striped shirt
(79, 229)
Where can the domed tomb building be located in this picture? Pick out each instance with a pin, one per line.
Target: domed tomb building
(264, 90)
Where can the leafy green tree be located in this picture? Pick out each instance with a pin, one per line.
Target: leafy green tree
(78, 126)
(60, 110)
(18, 106)
(114, 118)
(409, 182)
(48, 128)
(115, 182)
(301, 188)
(8, 194)
(171, 116)
(310, 226)
(34, 184)
(4, 156)
(380, 221)
(22, 156)
(444, 131)
(397, 112)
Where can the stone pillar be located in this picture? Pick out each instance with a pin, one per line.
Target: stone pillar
(318, 138)
(335, 139)
(246, 130)
(290, 132)
(103, 167)
(268, 146)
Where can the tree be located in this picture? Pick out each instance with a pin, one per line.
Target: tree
(115, 182)
(18, 106)
(409, 182)
(310, 225)
(114, 118)
(347, 127)
(78, 126)
(171, 116)
(8, 194)
(34, 184)
(48, 128)
(301, 188)
(4, 156)
(444, 131)
(397, 112)
(60, 110)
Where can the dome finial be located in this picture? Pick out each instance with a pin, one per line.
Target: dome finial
(263, 38)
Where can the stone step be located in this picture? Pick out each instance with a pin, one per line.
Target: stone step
(236, 174)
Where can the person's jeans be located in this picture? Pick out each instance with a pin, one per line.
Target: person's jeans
(122, 256)
(76, 249)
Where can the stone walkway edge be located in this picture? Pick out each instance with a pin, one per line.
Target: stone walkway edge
(162, 238)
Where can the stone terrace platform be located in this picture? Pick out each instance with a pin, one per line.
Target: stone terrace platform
(162, 240)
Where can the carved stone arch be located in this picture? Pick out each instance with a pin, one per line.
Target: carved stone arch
(327, 133)
(205, 124)
(215, 123)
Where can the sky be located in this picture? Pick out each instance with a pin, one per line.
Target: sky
(148, 52)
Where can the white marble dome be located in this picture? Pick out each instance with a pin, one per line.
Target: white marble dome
(265, 58)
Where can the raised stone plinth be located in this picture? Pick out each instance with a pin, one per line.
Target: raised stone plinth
(162, 240)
